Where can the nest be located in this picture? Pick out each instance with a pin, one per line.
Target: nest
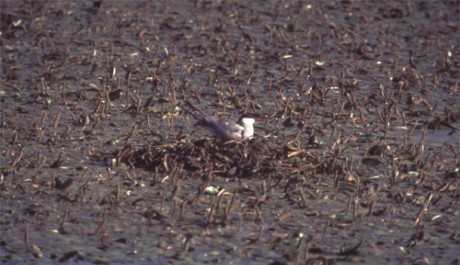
(242, 159)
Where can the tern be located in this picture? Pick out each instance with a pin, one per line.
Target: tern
(226, 129)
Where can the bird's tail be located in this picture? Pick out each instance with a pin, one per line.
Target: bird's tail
(194, 111)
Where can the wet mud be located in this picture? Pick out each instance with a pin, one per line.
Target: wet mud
(355, 161)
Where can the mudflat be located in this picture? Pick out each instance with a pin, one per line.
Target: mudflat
(355, 160)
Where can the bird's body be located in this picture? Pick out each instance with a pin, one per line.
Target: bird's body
(223, 128)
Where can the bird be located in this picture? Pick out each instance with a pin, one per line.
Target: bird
(222, 128)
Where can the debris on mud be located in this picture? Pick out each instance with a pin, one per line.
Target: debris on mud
(242, 159)
(356, 161)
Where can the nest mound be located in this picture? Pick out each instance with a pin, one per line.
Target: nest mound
(242, 159)
(253, 158)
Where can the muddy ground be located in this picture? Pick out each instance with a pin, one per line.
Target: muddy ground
(356, 160)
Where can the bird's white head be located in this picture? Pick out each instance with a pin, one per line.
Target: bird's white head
(248, 126)
(247, 121)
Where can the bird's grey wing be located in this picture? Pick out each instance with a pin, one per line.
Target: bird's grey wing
(229, 126)
(230, 129)
(223, 128)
